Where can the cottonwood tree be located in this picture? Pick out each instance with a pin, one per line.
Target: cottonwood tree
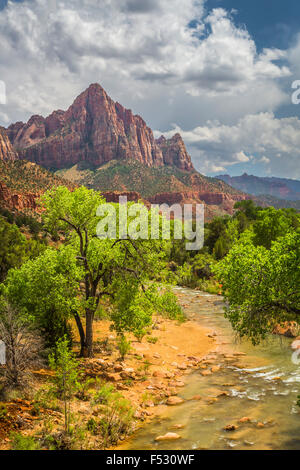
(47, 290)
(106, 265)
(261, 285)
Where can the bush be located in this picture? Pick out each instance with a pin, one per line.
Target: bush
(22, 346)
(104, 394)
(168, 306)
(20, 442)
(123, 346)
(116, 421)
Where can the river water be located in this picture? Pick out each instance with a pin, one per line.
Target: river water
(262, 385)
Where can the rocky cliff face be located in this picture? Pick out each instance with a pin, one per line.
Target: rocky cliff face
(97, 130)
(6, 150)
(174, 152)
(16, 201)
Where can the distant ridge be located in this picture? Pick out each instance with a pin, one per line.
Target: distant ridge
(281, 188)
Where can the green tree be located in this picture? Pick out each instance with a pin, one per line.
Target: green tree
(47, 290)
(12, 248)
(107, 265)
(261, 286)
(272, 224)
(248, 207)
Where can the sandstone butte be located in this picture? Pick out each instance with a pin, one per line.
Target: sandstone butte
(96, 130)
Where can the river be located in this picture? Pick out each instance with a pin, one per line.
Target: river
(260, 383)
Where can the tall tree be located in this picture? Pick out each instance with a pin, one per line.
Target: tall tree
(106, 264)
(261, 286)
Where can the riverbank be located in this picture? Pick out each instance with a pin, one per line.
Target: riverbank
(191, 379)
(152, 374)
(248, 402)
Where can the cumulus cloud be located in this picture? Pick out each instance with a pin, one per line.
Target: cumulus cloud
(152, 51)
(169, 61)
(257, 138)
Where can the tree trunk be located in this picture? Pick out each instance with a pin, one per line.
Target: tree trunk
(81, 334)
(89, 315)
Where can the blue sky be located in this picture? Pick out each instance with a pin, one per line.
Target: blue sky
(217, 71)
(272, 23)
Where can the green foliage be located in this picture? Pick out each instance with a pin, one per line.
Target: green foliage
(104, 394)
(248, 208)
(132, 310)
(46, 288)
(124, 346)
(3, 412)
(261, 285)
(152, 339)
(118, 269)
(272, 224)
(92, 426)
(116, 419)
(116, 416)
(12, 248)
(20, 442)
(82, 386)
(66, 376)
(167, 305)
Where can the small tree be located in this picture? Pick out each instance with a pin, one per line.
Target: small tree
(22, 346)
(66, 374)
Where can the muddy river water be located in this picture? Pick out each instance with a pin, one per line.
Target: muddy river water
(261, 384)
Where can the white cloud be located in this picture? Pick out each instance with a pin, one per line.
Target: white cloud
(259, 138)
(208, 78)
(143, 53)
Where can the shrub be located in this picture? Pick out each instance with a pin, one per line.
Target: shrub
(116, 420)
(20, 442)
(66, 374)
(152, 339)
(104, 394)
(123, 346)
(22, 346)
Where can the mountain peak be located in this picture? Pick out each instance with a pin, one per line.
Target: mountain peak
(96, 130)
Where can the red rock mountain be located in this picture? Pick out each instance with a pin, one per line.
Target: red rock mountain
(6, 150)
(96, 130)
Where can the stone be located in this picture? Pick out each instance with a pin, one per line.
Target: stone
(196, 397)
(245, 419)
(230, 427)
(215, 368)
(170, 436)
(205, 373)
(295, 344)
(158, 373)
(113, 377)
(289, 329)
(174, 401)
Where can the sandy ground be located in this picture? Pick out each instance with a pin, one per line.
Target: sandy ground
(150, 375)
